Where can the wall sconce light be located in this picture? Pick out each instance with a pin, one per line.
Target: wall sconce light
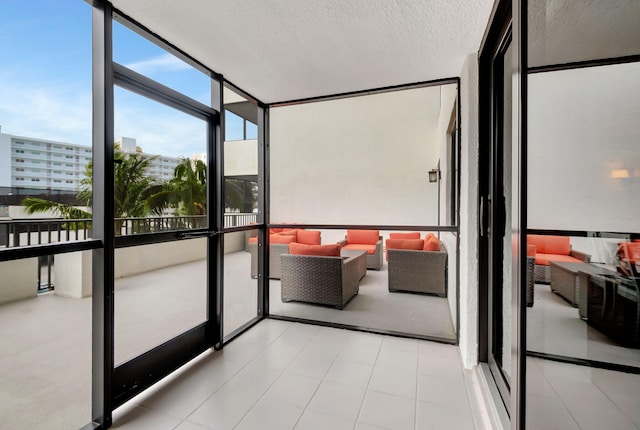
(619, 173)
(434, 175)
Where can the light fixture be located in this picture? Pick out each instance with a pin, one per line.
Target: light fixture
(434, 175)
(619, 173)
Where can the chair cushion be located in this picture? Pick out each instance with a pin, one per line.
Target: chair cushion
(366, 237)
(371, 249)
(545, 259)
(431, 243)
(413, 244)
(330, 250)
(630, 251)
(531, 250)
(281, 238)
(308, 237)
(275, 230)
(253, 239)
(412, 235)
(560, 245)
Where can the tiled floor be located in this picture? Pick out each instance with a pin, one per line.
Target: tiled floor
(283, 375)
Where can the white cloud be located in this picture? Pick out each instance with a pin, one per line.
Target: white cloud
(161, 63)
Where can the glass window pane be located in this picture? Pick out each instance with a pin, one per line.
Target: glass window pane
(160, 292)
(160, 173)
(140, 55)
(240, 162)
(240, 279)
(45, 144)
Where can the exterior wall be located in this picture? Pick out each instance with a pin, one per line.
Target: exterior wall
(469, 212)
(19, 279)
(360, 160)
(5, 160)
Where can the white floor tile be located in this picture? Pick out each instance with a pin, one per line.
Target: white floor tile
(271, 415)
(397, 359)
(364, 426)
(443, 391)
(141, 418)
(348, 373)
(359, 353)
(293, 389)
(337, 400)
(438, 417)
(548, 413)
(394, 381)
(187, 425)
(311, 420)
(388, 411)
(314, 364)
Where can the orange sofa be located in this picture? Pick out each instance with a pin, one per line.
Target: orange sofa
(365, 240)
(552, 249)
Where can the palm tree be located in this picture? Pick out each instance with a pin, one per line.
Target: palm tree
(133, 191)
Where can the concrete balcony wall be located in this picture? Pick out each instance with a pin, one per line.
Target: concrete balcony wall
(19, 280)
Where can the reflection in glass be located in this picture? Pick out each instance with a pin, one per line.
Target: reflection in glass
(160, 292)
(582, 155)
(240, 279)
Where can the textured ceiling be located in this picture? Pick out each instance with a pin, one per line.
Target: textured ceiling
(279, 50)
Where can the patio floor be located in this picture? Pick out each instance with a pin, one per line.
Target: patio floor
(45, 367)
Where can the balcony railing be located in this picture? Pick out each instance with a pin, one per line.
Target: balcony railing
(24, 232)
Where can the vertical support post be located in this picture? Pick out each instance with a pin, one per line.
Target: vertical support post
(103, 218)
(263, 210)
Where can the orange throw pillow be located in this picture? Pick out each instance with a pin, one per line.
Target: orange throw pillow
(331, 250)
(413, 235)
(309, 237)
(414, 244)
(281, 238)
(364, 237)
(432, 244)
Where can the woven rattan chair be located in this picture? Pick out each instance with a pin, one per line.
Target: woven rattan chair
(531, 263)
(375, 260)
(331, 281)
(418, 271)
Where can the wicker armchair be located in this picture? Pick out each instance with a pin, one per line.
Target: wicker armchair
(418, 271)
(351, 242)
(331, 281)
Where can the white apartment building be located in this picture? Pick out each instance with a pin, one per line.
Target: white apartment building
(29, 162)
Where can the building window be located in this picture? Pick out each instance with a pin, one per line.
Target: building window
(35, 180)
(19, 151)
(17, 142)
(35, 152)
(19, 160)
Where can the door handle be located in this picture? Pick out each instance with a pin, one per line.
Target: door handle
(196, 234)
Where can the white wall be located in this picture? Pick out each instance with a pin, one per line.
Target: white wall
(19, 279)
(583, 124)
(361, 160)
(469, 212)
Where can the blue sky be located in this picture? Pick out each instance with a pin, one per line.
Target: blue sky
(45, 80)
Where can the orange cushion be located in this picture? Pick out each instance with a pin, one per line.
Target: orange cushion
(413, 235)
(331, 250)
(308, 237)
(630, 251)
(253, 239)
(415, 244)
(275, 230)
(371, 249)
(545, 259)
(531, 250)
(290, 232)
(550, 244)
(366, 237)
(281, 238)
(431, 243)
